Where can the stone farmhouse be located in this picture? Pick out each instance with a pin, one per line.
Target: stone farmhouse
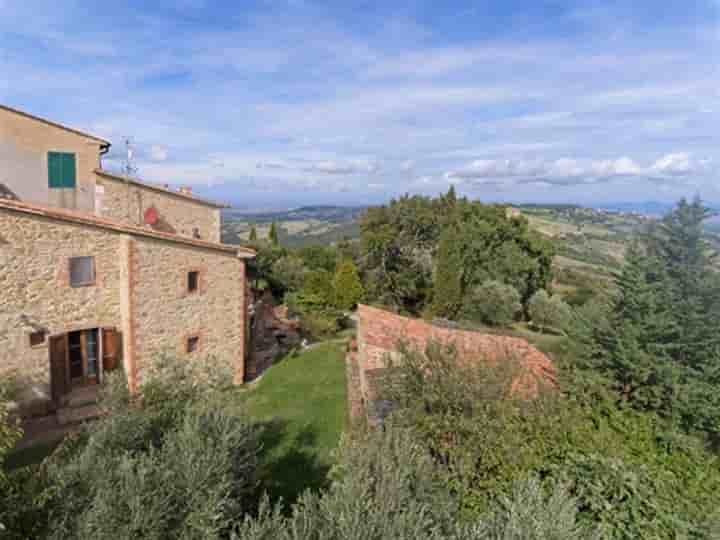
(99, 271)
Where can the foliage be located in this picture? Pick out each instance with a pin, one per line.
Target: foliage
(346, 285)
(549, 311)
(319, 257)
(448, 278)
(289, 271)
(314, 302)
(253, 237)
(417, 249)
(273, 237)
(632, 474)
(260, 268)
(492, 303)
(386, 487)
(9, 436)
(10, 433)
(180, 465)
(659, 347)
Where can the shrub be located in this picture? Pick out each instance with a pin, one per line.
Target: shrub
(289, 271)
(549, 312)
(632, 474)
(178, 462)
(347, 288)
(387, 487)
(493, 303)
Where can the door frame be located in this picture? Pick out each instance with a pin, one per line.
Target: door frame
(58, 389)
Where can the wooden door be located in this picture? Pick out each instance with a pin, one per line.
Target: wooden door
(110, 349)
(59, 381)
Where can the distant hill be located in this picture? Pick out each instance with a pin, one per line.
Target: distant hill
(306, 225)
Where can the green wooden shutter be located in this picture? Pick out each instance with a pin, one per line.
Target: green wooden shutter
(68, 170)
(55, 172)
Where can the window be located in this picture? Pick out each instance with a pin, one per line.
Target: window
(196, 233)
(37, 338)
(192, 344)
(193, 281)
(61, 170)
(82, 271)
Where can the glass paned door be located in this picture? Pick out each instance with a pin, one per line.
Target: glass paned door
(91, 348)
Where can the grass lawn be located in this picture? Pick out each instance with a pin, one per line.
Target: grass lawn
(301, 402)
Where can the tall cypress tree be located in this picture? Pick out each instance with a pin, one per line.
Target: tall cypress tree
(273, 235)
(447, 279)
(253, 234)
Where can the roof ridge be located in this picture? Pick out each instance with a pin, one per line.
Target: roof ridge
(160, 188)
(54, 124)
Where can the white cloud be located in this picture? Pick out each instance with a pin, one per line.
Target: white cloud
(407, 166)
(569, 171)
(158, 153)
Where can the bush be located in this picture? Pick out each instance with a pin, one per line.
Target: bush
(493, 303)
(631, 473)
(549, 312)
(178, 462)
(289, 272)
(386, 487)
(347, 288)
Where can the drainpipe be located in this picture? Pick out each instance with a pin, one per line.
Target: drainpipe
(104, 149)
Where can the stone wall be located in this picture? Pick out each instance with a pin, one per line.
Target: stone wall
(166, 314)
(24, 144)
(380, 331)
(36, 294)
(127, 202)
(141, 289)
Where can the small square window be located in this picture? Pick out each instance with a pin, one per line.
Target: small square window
(82, 271)
(193, 342)
(37, 338)
(196, 233)
(193, 281)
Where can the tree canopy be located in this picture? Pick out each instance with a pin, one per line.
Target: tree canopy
(420, 252)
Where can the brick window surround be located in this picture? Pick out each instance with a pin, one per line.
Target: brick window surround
(194, 276)
(81, 271)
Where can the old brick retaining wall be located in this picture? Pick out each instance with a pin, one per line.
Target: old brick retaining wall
(380, 332)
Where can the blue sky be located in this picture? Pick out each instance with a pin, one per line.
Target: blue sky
(281, 103)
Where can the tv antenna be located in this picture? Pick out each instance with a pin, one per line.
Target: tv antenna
(129, 168)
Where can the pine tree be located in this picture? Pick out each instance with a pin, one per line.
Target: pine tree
(253, 234)
(348, 289)
(639, 344)
(679, 243)
(273, 235)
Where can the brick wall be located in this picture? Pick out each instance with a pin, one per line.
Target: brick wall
(380, 331)
(128, 202)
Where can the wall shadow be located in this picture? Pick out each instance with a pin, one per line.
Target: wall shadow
(289, 465)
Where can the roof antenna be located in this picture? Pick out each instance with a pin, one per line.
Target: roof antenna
(129, 168)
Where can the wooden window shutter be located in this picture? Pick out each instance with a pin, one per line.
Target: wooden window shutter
(55, 170)
(59, 383)
(62, 170)
(69, 172)
(111, 348)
